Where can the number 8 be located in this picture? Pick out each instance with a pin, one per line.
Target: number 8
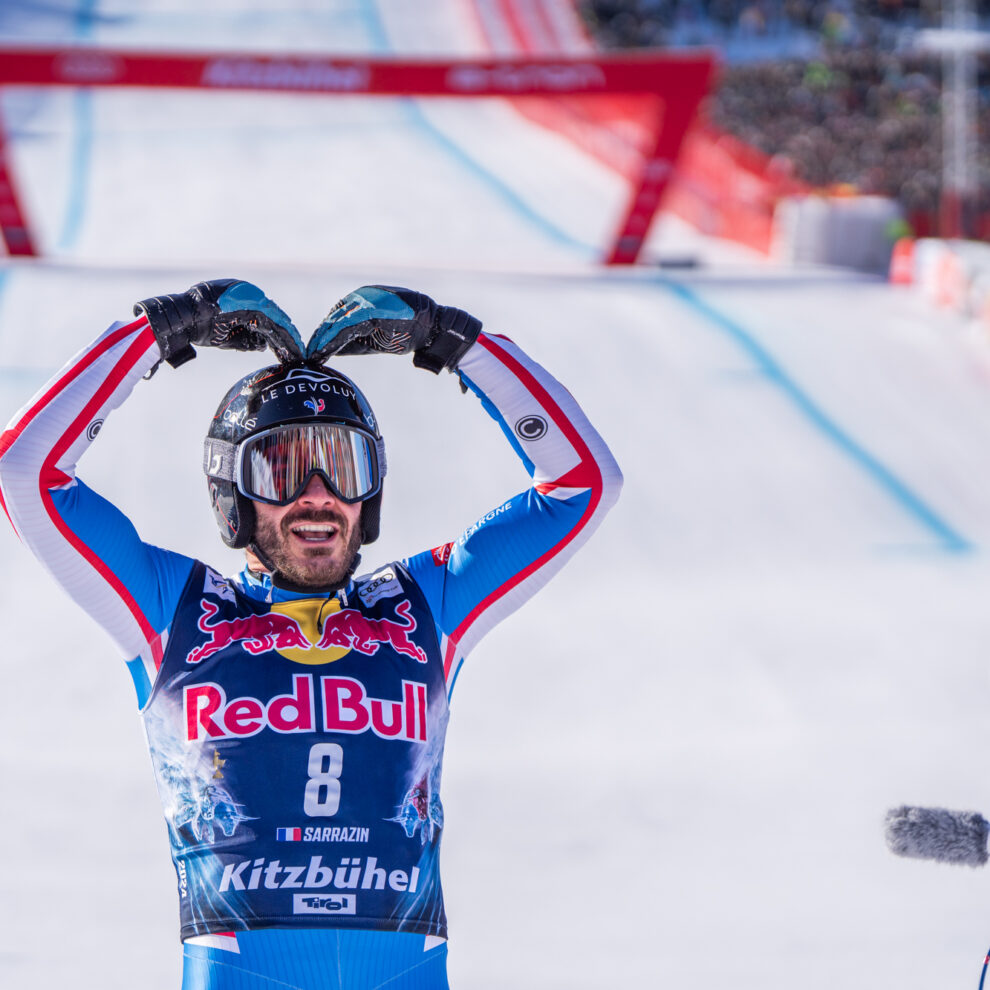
(323, 787)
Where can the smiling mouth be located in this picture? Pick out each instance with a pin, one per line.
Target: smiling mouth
(314, 532)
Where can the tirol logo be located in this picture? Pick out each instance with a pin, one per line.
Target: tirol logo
(317, 405)
(310, 631)
(531, 428)
(334, 904)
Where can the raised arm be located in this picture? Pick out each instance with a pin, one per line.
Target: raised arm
(89, 546)
(505, 557)
(511, 552)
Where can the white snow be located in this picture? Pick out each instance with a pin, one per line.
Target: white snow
(671, 767)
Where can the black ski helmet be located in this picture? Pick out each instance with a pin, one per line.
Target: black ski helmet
(276, 396)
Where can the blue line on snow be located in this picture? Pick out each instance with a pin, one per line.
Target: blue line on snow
(378, 38)
(496, 185)
(84, 18)
(897, 489)
(82, 146)
(82, 142)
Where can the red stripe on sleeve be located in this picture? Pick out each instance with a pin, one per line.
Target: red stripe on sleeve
(448, 658)
(583, 476)
(131, 357)
(589, 472)
(8, 438)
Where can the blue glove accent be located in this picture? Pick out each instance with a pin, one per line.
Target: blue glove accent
(244, 296)
(369, 303)
(387, 319)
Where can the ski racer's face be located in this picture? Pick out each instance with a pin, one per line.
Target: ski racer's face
(312, 540)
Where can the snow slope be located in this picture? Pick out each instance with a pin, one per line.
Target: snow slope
(671, 767)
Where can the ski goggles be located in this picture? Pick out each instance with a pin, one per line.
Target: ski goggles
(276, 465)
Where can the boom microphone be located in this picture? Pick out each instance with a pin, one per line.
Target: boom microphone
(958, 837)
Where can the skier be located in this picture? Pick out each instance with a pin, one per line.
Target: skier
(296, 713)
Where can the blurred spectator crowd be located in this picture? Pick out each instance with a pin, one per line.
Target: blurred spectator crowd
(856, 118)
(847, 98)
(644, 23)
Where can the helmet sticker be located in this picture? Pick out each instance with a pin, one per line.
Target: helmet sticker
(308, 375)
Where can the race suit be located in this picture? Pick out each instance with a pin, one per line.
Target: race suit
(297, 738)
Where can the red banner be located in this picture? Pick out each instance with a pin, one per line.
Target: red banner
(13, 226)
(667, 74)
(676, 81)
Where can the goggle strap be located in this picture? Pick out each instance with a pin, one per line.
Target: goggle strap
(219, 459)
(380, 450)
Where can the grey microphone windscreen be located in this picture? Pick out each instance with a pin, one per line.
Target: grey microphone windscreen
(937, 833)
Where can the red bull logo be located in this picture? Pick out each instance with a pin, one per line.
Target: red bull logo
(311, 634)
(344, 706)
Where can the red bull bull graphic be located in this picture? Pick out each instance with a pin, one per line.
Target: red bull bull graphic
(339, 632)
(345, 706)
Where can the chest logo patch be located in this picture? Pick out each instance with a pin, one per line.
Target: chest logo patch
(310, 631)
(215, 585)
(384, 584)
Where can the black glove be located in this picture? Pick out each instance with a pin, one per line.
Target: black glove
(385, 319)
(224, 312)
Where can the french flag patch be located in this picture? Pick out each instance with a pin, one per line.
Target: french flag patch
(288, 835)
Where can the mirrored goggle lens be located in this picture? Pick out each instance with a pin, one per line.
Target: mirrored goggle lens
(275, 465)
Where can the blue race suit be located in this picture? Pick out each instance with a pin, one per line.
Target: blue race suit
(297, 738)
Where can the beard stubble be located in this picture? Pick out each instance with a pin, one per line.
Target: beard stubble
(320, 568)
